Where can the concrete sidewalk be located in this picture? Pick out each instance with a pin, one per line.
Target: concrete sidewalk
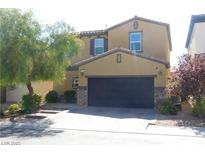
(151, 136)
(177, 131)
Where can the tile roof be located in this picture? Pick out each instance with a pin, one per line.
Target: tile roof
(93, 32)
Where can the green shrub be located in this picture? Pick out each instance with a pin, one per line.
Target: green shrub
(52, 97)
(69, 95)
(168, 107)
(198, 109)
(14, 108)
(31, 103)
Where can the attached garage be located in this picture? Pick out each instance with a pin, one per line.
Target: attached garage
(119, 78)
(130, 92)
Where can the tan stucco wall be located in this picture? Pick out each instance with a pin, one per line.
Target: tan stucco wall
(130, 65)
(84, 52)
(40, 88)
(154, 38)
(67, 84)
(197, 43)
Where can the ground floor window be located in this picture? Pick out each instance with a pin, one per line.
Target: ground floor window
(75, 82)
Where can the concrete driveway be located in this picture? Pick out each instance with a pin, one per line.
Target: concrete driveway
(105, 119)
(77, 125)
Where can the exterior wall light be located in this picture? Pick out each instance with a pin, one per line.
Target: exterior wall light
(82, 72)
(160, 72)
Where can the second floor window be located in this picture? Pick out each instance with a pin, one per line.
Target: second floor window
(136, 41)
(99, 46)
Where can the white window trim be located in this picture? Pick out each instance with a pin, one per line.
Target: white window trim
(98, 45)
(75, 82)
(131, 42)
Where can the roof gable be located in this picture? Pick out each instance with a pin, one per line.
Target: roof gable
(104, 32)
(138, 18)
(124, 50)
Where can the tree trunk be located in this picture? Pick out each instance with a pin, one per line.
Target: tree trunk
(30, 88)
(2, 94)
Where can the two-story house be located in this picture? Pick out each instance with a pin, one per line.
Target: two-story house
(126, 65)
(195, 42)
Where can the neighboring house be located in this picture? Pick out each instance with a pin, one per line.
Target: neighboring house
(126, 65)
(195, 42)
(15, 93)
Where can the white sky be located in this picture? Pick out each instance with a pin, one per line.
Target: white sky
(95, 14)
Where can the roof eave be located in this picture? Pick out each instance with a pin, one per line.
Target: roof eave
(105, 31)
(76, 65)
(93, 32)
(194, 19)
(147, 20)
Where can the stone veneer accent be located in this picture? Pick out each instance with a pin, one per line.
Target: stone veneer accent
(159, 95)
(82, 96)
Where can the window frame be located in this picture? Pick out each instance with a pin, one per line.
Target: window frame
(74, 86)
(141, 40)
(103, 46)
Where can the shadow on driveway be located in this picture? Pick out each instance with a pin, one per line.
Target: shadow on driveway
(31, 128)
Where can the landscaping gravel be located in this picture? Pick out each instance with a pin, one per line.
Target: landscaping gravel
(183, 118)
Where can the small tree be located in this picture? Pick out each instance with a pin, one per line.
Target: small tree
(189, 78)
(31, 52)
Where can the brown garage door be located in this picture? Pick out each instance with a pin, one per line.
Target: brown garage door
(135, 92)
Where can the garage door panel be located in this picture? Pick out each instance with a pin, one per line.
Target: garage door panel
(121, 92)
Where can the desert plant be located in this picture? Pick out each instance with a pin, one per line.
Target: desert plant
(52, 96)
(69, 95)
(31, 51)
(188, 79)
(167, 107)
(198, 109)
(14, 108)
(31, 103)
